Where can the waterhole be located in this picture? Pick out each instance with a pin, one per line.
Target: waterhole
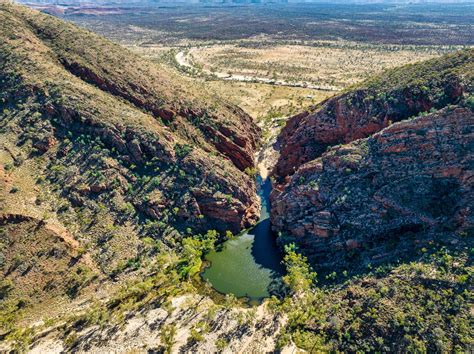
(250, 264)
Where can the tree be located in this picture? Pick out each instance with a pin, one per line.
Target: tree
(300, 276)
(168, 332)
(193, 250)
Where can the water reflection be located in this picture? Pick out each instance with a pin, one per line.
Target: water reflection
(249, 265)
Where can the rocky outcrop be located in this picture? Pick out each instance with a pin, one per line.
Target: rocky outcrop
(394, 96)
(220, 209)
(43, 145)
(238, 146)
(239, 150)
(384, 196)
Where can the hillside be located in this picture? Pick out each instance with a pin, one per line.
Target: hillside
(383, 197)
(94, 93)
(373, 105)
(107, 156)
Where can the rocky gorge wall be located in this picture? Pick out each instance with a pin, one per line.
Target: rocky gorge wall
(384, 196)
(373, 105)
(118, 130)
(393, 186)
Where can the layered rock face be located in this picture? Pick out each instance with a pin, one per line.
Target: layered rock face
(395, 95)
(189, 114)
(112, 130)
(384, 196)
(396, 187)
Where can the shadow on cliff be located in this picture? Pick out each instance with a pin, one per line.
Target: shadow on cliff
(265, 250)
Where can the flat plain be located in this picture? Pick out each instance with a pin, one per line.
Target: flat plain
(321, 45)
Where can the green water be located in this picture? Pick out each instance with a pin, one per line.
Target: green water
(249, 265)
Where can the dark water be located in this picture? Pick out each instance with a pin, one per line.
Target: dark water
(249, 265)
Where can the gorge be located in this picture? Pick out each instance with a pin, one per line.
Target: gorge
(249, 265)
(123, 183)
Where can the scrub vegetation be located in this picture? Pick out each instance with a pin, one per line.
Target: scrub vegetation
(120, 172)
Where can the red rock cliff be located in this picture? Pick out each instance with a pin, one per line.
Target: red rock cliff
(396, 95)
(403, 186)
